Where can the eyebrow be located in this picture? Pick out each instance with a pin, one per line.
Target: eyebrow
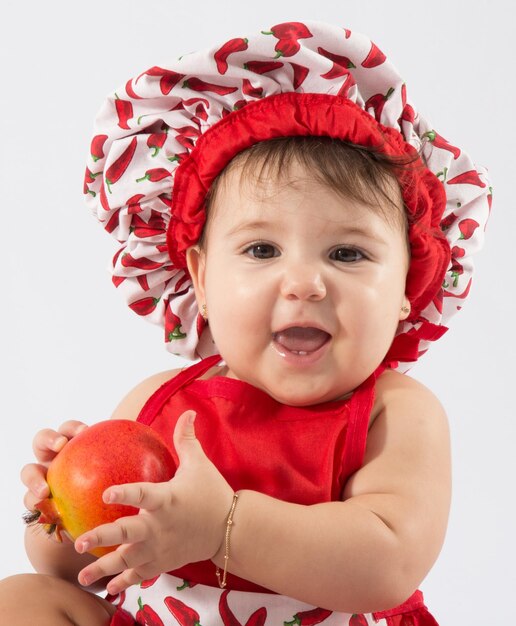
(249, 226)
(256, 225)
(356, 230)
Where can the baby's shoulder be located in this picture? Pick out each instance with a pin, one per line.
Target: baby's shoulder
(402, 394)
(133, 402)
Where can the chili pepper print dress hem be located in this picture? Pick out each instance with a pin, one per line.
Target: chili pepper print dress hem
(298, 454)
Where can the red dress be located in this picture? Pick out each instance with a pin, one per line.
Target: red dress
(302, 455)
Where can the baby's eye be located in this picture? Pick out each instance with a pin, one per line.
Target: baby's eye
(346, 255)
(262, 251)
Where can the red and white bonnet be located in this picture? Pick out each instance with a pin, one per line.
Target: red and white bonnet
(162, 138)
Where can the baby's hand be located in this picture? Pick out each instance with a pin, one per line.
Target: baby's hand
(180, 521)
(46, 444)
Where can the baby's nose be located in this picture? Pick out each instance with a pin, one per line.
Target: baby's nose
(303, 283)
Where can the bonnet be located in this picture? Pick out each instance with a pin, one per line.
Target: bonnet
(162, 138)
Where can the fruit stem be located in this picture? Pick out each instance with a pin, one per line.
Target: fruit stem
(30, 517)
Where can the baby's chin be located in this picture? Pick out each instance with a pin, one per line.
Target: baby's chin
(301, 387)
(296, 392)
(307, 400)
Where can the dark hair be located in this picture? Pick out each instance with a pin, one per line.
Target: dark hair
(359, 173)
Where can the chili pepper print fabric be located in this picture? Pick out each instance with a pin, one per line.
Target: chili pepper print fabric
(150, 125)
(168, 600)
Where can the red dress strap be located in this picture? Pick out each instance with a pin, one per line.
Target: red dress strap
(361, 405)
(155, 403)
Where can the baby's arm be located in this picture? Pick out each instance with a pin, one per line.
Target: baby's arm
(371, 551)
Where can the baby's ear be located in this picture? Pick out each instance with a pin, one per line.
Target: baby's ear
(196, 262)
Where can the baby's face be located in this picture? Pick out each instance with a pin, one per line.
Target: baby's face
(303, 288)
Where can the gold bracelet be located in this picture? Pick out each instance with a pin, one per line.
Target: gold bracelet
(229, 523)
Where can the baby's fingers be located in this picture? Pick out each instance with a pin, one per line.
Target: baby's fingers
(108, 565)
(149, 496)
(71, 428)
(124, 530)
(130, 566)
(47, 443)
(33, 477)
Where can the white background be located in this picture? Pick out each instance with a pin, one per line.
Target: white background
(71, 349)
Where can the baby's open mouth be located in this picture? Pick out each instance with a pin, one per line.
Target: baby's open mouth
(300, 340)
